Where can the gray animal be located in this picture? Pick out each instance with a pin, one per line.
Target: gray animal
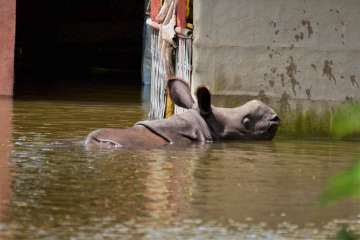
(202, 123)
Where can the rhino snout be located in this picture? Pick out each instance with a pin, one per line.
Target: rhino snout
(273, 126)
(275, 120)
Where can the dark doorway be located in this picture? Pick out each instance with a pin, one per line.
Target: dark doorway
(63, 43)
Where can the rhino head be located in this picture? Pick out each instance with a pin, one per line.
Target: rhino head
(253, 120)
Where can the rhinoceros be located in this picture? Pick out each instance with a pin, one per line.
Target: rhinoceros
(201, 123)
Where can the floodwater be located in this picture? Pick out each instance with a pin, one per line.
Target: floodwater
(53, 188)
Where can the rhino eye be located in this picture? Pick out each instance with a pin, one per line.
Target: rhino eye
(246, 122)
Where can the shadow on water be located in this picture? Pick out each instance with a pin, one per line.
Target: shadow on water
(233, 190)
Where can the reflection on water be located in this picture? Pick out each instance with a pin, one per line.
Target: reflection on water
(264, 190)
(5, 150)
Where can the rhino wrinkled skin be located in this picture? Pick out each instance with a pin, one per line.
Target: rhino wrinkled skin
(202, 123)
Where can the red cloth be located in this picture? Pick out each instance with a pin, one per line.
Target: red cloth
(181, 14)
(155, 8)
(7, 46)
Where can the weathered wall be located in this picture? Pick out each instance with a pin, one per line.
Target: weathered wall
(7, 44)
(296, 55)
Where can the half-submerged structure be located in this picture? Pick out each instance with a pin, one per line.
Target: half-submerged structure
(301, 57)
(171, 50)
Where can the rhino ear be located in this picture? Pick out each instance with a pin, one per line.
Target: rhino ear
(180, 93)
(204, 100)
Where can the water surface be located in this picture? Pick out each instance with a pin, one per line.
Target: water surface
(53, 188)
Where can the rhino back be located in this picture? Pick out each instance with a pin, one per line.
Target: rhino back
(180, 128)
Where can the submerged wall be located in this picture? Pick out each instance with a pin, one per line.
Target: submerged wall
(7, 45)
(302, 57)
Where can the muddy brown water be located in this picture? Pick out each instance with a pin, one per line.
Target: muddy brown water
(52, 187)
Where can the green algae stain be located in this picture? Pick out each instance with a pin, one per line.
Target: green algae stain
(341, 123)
(346, 121)
(308, 123)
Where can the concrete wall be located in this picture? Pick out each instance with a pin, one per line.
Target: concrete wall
(7, 44)
(301, 55)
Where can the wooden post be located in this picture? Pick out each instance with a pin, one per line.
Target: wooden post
(7, 46)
